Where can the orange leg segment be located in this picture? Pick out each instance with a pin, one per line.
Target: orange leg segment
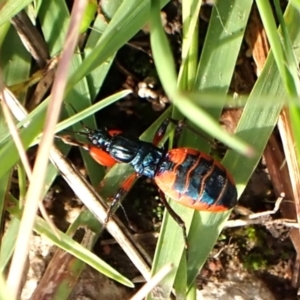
(125, 187)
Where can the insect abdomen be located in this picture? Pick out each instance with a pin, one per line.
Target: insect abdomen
(196, 180)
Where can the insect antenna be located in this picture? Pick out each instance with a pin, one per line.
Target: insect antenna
(86, 128)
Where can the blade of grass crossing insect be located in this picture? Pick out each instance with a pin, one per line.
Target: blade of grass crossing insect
(190, 14)
(215, 71)
(170, 230)
(170, 249)
(204, 232)
(207, 219)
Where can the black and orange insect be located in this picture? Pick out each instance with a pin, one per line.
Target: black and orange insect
(188, 176)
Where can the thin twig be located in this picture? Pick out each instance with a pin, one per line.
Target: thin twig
(35, 189)
(259, 218)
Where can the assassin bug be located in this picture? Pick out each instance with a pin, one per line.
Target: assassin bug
(188, 176)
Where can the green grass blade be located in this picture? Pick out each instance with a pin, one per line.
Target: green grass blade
(162, 53)
(8, 243)
(166, 69)
(70, 266)
(28, 135)
(296, 4)
(115, 176)
(89, 15)
(255, 127)
(279, 51)
(11, 8)
(15, 68)
(208, 226)
(15, 60)
(91, 110)
(5, 294)
(292, 70)
(187, 72)
(96, 77)
(68, 244)
(126, 22)
(80, 252)
(292, 73)
(55, 16)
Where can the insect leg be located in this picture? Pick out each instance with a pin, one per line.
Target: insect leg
(179, 126)
(176, 218)
(67, 139)
(161, 131)
(126, 185)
